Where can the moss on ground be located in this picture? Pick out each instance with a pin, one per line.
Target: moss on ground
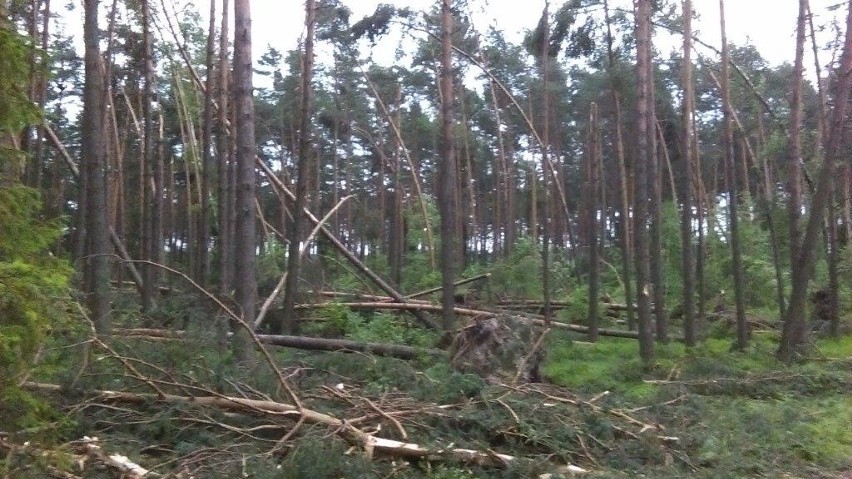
(737, 414)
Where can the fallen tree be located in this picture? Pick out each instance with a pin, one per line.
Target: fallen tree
(399, 351)
(371, 444)
(475, 313)
(350, 256)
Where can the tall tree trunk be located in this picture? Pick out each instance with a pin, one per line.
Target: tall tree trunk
(287, 323)
(545, 158)
(397, 227)
(592, 167)
(644, 151)
(149, 242)
(833, 245)
(624, 191)
(794, 163)
(207, 158)
(96, 264)
(689, 148)
(223, 149)
(245, 236)
(794, 334)
(447, 197)
(733, 193)
(656, 243)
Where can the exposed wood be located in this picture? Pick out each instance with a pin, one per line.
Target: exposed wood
(457, 283)
(279, 185)
(370, 443)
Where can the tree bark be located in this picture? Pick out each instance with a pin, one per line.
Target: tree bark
(733, 190)
(644, 139)
(208, 160)
(593, 157)
(349, 255)
(287, 323)
(688, 159)
(245, 238)
(96, 263)
(794, 335)
(624, 204)
(151, 244)
(447, 197)
(223, 148)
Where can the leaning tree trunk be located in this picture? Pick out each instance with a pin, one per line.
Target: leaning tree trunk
(794, 334)
(208, 159)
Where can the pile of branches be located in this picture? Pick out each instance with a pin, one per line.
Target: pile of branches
(266, 420)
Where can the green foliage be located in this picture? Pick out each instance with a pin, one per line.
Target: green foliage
(372, 327)
(16, 51)
(34, 299)
(519, 276)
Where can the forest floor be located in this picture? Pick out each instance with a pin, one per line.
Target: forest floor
(705, 412)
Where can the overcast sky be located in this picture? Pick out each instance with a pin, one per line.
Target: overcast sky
(768, 24)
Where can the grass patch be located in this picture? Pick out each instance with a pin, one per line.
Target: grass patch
(836, 348)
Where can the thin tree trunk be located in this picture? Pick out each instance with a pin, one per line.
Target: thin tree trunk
(624, 192)
(733, 193)
(593, 156)
(545, 158)
(656, 247)
(794, 336)
(832, 230)
(223, 149)
(689, 148)
(287, 323)
(794, 163)
(148, 187)
(207, 158)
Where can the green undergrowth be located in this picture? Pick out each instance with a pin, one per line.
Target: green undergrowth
(738, 412)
